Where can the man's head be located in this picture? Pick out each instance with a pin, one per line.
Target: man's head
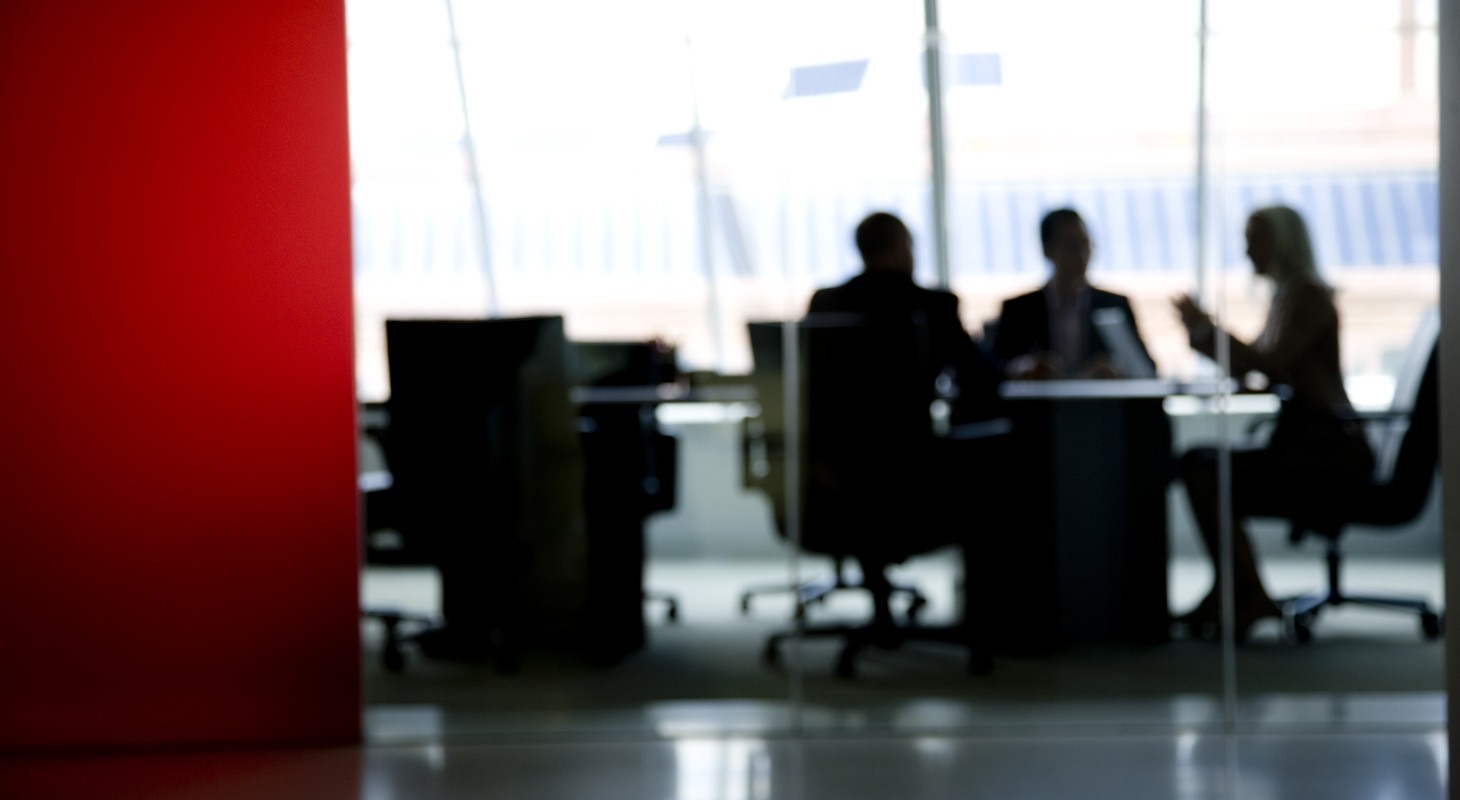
(1066, 245)
(885, 244)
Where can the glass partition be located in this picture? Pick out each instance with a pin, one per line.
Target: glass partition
(667, 183)
(528, 160)
(1092, 107)
(638, 172)
(1347, 136)
(599, 174)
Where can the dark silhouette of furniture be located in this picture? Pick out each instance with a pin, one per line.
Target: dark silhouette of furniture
(816, 590)
(763, 468)
(482, 445)
(629, 474)
(1090, 559)
(381, 542)
(874, 484)
(1407, 456)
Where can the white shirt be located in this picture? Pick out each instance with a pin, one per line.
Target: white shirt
(1069, 317)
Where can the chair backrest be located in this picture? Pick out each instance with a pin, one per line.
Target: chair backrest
(1409, 386)
(1408, 459)
(868, 386)
(480, 421)
(764, 462)
(863, 393)
(1416, 361)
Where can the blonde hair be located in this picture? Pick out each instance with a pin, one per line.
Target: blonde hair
(1292, 265)
(1292, 248)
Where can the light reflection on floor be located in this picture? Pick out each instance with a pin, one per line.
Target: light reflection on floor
(1186, 766)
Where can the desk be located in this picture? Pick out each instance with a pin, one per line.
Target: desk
(1087, 561)
(663, 393)
(630, 473)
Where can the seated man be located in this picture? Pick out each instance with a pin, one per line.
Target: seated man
(886, 288)
(878, 476)
(1050, 332)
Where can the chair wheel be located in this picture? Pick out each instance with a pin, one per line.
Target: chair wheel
(745, 605)
(915, 608)
(1303, 628)
(507, 661)
(846, 663)
(1429, 622)
(671, 614)
(770, 655)
(393, 659)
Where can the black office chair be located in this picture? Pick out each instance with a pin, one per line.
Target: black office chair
(763, 469)
(1408, 454)
(875, 484)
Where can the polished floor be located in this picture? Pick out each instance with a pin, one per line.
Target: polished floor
(1359, 714)
(1344, 766)
(703, 675)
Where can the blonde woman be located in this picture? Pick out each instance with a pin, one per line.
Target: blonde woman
(1316, 446)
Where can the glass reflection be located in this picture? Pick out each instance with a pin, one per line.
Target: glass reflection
(1289, 134)
(728, 769)
(670, 172)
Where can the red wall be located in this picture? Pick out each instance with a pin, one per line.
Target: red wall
(178, 547)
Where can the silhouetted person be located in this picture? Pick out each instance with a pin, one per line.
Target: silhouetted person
(1050, 332)
(885, 288)
(1315, 446)
(901, 488)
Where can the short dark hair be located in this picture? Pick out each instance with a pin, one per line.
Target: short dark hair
(1050, 225)
(878, 233)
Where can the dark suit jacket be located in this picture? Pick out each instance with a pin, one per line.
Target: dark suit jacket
(1023, 326)
(879, 295)
(879, 484)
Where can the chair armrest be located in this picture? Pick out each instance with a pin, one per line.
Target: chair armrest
(1374, 416)
(1363, 417)
(1257, 425)
(985, 429)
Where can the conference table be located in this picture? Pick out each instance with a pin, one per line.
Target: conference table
(1084, 558)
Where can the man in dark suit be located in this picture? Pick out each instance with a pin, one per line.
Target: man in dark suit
(877, 473)
(951, 361)
(1050, 332)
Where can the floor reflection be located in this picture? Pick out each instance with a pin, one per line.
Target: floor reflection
(702, 676)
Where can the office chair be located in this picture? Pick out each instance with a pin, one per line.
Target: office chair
(1407, 457)
(874, 484)
(763, 469)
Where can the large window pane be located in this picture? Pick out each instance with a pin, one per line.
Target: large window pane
(1087, 105)
(1330, 108)
(668, 171)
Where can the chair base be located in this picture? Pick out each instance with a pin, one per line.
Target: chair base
(670, 601)
(858, 638)
(1301, 611)
(816, 590)
(434, 640)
